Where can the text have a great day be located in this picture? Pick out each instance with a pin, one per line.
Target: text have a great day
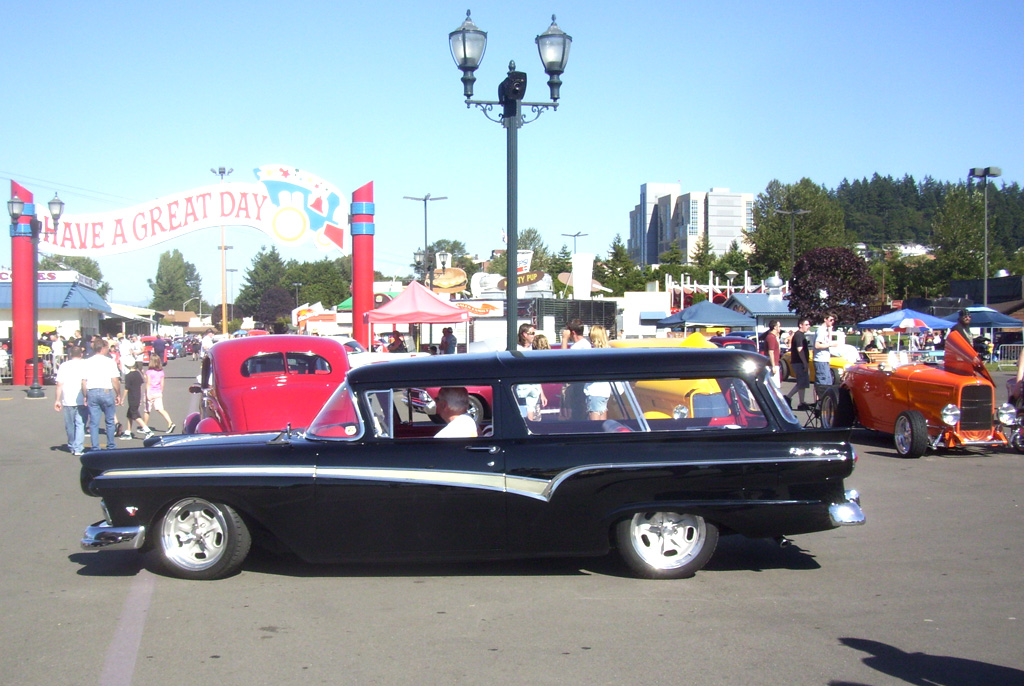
(136, 226)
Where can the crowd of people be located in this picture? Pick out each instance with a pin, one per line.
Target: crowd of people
(96, 375)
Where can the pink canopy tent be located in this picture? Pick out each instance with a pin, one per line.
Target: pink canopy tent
(417, 305)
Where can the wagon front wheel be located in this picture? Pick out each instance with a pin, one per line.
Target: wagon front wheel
(201, 539)
(666, 545)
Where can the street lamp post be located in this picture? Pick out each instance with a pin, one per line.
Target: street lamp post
(985, 173)
(231, 291)
(468, 44)
(297, 286)
(16, 207)
(221, 172)
(427, 272)
(574, 236)
(792, 236)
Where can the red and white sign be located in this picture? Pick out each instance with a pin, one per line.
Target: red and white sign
(285, 203)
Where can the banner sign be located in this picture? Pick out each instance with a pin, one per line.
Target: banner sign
(287, 204)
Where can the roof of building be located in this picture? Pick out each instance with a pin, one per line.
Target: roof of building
(61, 295)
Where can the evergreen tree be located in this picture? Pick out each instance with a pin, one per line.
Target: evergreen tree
(170, 287)
(266, 271)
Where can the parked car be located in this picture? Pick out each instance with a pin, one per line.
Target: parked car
(722, 454)
(924, 406)
(735, 342)
(265, 383)
(358, 355)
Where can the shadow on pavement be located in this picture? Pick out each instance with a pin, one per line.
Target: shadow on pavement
(922, 668)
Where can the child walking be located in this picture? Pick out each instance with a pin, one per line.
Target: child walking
(155, 391)
(132, 398)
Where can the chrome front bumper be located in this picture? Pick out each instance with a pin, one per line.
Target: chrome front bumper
(102, 536)
(848, 513)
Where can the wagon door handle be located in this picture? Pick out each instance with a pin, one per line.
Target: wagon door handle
(490, 449)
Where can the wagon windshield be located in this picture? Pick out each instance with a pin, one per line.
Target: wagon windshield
(338, 420)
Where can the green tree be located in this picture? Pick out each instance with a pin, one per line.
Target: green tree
(619, 273)
(326, 281)
(266, 271)
(529, 239)
(86, 266)
(958, 235)
(702, 259)
(274, 309)
(832, 280)
(823, 226)
(170, 287)
(733, 260)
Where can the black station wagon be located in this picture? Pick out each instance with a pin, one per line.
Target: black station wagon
(691, 444)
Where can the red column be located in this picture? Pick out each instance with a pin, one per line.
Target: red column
(363, 229)
(23, 283)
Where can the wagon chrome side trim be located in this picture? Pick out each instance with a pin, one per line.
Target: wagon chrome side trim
(540, 489)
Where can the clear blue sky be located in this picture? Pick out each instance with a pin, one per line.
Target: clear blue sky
(119, 103)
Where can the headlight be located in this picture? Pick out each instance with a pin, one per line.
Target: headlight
(1007, 414)
(680, 412)
(951, 415)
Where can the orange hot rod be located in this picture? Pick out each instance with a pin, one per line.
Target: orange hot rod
(924, 406)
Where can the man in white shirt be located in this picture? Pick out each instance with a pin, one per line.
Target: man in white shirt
(822, 351)
(101, 385)
(70, 399)
(207, 343)
(453, 407)
(573, 336)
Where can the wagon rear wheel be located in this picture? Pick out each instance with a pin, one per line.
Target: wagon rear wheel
(666, 545)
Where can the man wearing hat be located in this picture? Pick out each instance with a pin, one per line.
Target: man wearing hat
(963, 326)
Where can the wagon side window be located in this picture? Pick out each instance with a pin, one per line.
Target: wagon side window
(699, 404)
(668, 404)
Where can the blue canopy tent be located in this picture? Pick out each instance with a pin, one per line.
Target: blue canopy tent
(706, 313)
(987, 318)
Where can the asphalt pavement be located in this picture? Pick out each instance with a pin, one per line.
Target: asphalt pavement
(927, 592)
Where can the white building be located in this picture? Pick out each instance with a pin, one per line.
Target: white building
(667, 217)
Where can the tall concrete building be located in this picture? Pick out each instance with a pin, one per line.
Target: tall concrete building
(666, 216)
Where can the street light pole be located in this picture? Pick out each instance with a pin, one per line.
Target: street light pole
(985, 173)
(221, 172)
(792, 236)
(574, 236)
(468, 44)
(427, 271)
(231, 292)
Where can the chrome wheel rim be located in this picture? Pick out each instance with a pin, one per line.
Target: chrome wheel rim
(667, 540)
(828, 412)
(194, 534)
(902, 436)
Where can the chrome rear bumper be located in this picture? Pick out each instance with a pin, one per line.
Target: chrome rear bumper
(847, 513)
(102, 536)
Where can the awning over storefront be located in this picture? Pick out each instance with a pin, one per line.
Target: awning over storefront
(73, 296)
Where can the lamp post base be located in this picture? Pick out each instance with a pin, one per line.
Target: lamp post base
(35, 391)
